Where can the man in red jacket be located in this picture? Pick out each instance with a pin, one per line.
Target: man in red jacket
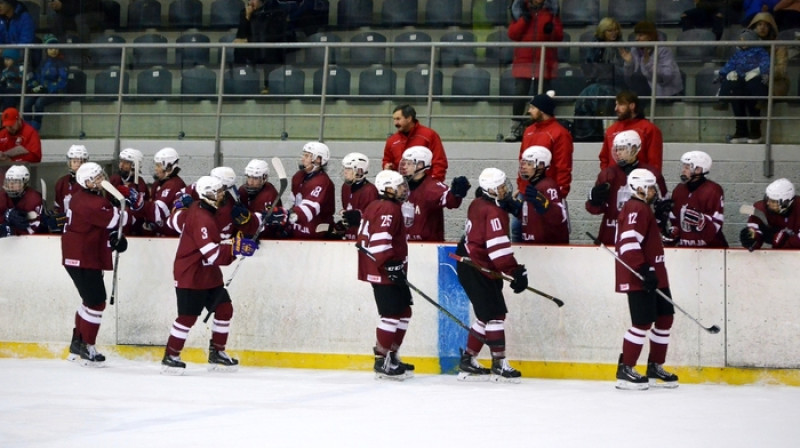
(630, 117)
(411, 133)
(19, 141)
(532, 21)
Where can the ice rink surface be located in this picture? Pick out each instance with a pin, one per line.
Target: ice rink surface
(54, 403)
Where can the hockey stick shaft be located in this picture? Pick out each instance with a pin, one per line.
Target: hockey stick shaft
(712, 329)
(444, 310)
(469, 262)
(114, 192)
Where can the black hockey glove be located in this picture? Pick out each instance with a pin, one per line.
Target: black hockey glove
(351, 218)
(748, 237)
(537, 198)
(460, 186)
(599, 194)
(240, 215)
(277, 218)
(394, 270)
(54, 221)
(512, 205)
(662, 209)
(118, 242)
(16, 219)
(520, 281)
(5, 231)
(649, 278)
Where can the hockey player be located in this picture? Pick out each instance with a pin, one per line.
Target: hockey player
(314, 193)
(543, 214)
(428, 196)
(130, 161)
(610, 191)
(383, 234)
(198, 278)
(258, 194)
(163, 193)
(638, 244)
(357, 192)
(86, 245)
(20, 205)
(782, 225)
(487, 243)
(66, 185)
(696, 209)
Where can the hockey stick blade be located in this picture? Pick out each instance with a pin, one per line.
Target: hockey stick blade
(112, 190)
(469, 262)
(714, 329)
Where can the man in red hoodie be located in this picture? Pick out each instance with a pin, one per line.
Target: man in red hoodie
(631, 117)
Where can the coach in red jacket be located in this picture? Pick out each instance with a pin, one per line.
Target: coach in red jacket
(411, 132)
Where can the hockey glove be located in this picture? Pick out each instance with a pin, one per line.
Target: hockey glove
(277, 218)
(781, 238)
(520, 280)
(5, 231)
(512, 205)
(243, 246)
(394, 271)
(460, 186)
(16, 219)
(134, 200)
(598, 195)
(240, 215)
(670, 237)
(183, 201)
(118, 242)
(748, 237)
(649, 278)
(54, 221)
(537, 198)
(662, 208)
(693, 220)
(351, 218)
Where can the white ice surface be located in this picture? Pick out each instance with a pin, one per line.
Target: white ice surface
(53, 403)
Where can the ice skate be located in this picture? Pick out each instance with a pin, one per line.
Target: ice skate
(658, 377)
(89, 357)
(385, 370)
(407, 368)
(470, 370)
(220, 361)
(629, 379)
(172, 365)
(502, 372)
(74, 349)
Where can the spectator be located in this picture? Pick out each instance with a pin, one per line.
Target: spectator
(410, 132)
(787, 14)
(640, 65)
(263, 21)
(706, 14)
(696, 210)
(604, 65)
(315, 195)
(764, 25)
(10, 79)
(19, 141)
(776, 220)
(357, 193)
(610, 190)
(20, 205)
(83, 15)
(16, 24)
(531, 21)
(428, 197)
(259, 195)
(631, 117)
(49, 80)
(746, 74)
(544, 214)
(752, 7)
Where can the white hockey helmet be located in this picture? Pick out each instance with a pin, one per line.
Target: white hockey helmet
(167, 158)
(643, 179)
(318, 149)
(490, 181)
(257, 168)
(78, 152)
(90, 172)
(629, 142)
(357, 162)
(208, 189)
(17, 179)
(131, 155)
(394, 180)
(226, 175)
(536, 155)
(418, 154)
(780, 190)
(697, 159)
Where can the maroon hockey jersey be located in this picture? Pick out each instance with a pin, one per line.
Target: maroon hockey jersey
(429, 197)
(551, 227)
(314, 204)
(707, 199)
(777, 222)
(84, 243)
(163, 194)
(638, 243)
(486, 236)
(65, 187)
(30, 204)
(357, 199)
(258, 204)
(200, 251)
(383, 234)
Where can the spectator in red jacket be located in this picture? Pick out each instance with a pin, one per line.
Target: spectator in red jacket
(532, 21)
(19, 141)
(411, 133)
(629, 116)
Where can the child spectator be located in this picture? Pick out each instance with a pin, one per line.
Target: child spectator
(10, 79)
(48, 81)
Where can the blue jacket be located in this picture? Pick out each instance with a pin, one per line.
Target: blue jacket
(52, 74)
(746, 59)
(19, 29)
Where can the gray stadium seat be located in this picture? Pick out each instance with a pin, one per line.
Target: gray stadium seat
(377, 81)
(156, 82)
(76, 83)
(499, 55)
(569, 82)
(148, 57)
(198, 83)
(442, 13)
(354, 13)
(412, 55)
(338, 82)
(367, 56)
(457, 56)
(189, 57)
(507, 88)
(564, 52)
(668, 12)
(496, 11)
(695, 53)
(580, 12)
(315, 56)
(229, 56)
(417, 81)
(225, 13)
(287, 80)
(706, 83)
(144, 14)
(242, 80)
(106, 82)
(185, 14)
(112, 12)
(628, 12)
(399, 13)
(472, 83)
(104, 57)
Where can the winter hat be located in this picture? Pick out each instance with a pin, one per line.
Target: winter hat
(11, 53)
(545, 103)
(748, 34)
(49, 39)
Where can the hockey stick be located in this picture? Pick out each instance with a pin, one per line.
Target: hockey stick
(32, 215)
(444, 310)
(114, 192)
(714, 329)
(469, 262)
